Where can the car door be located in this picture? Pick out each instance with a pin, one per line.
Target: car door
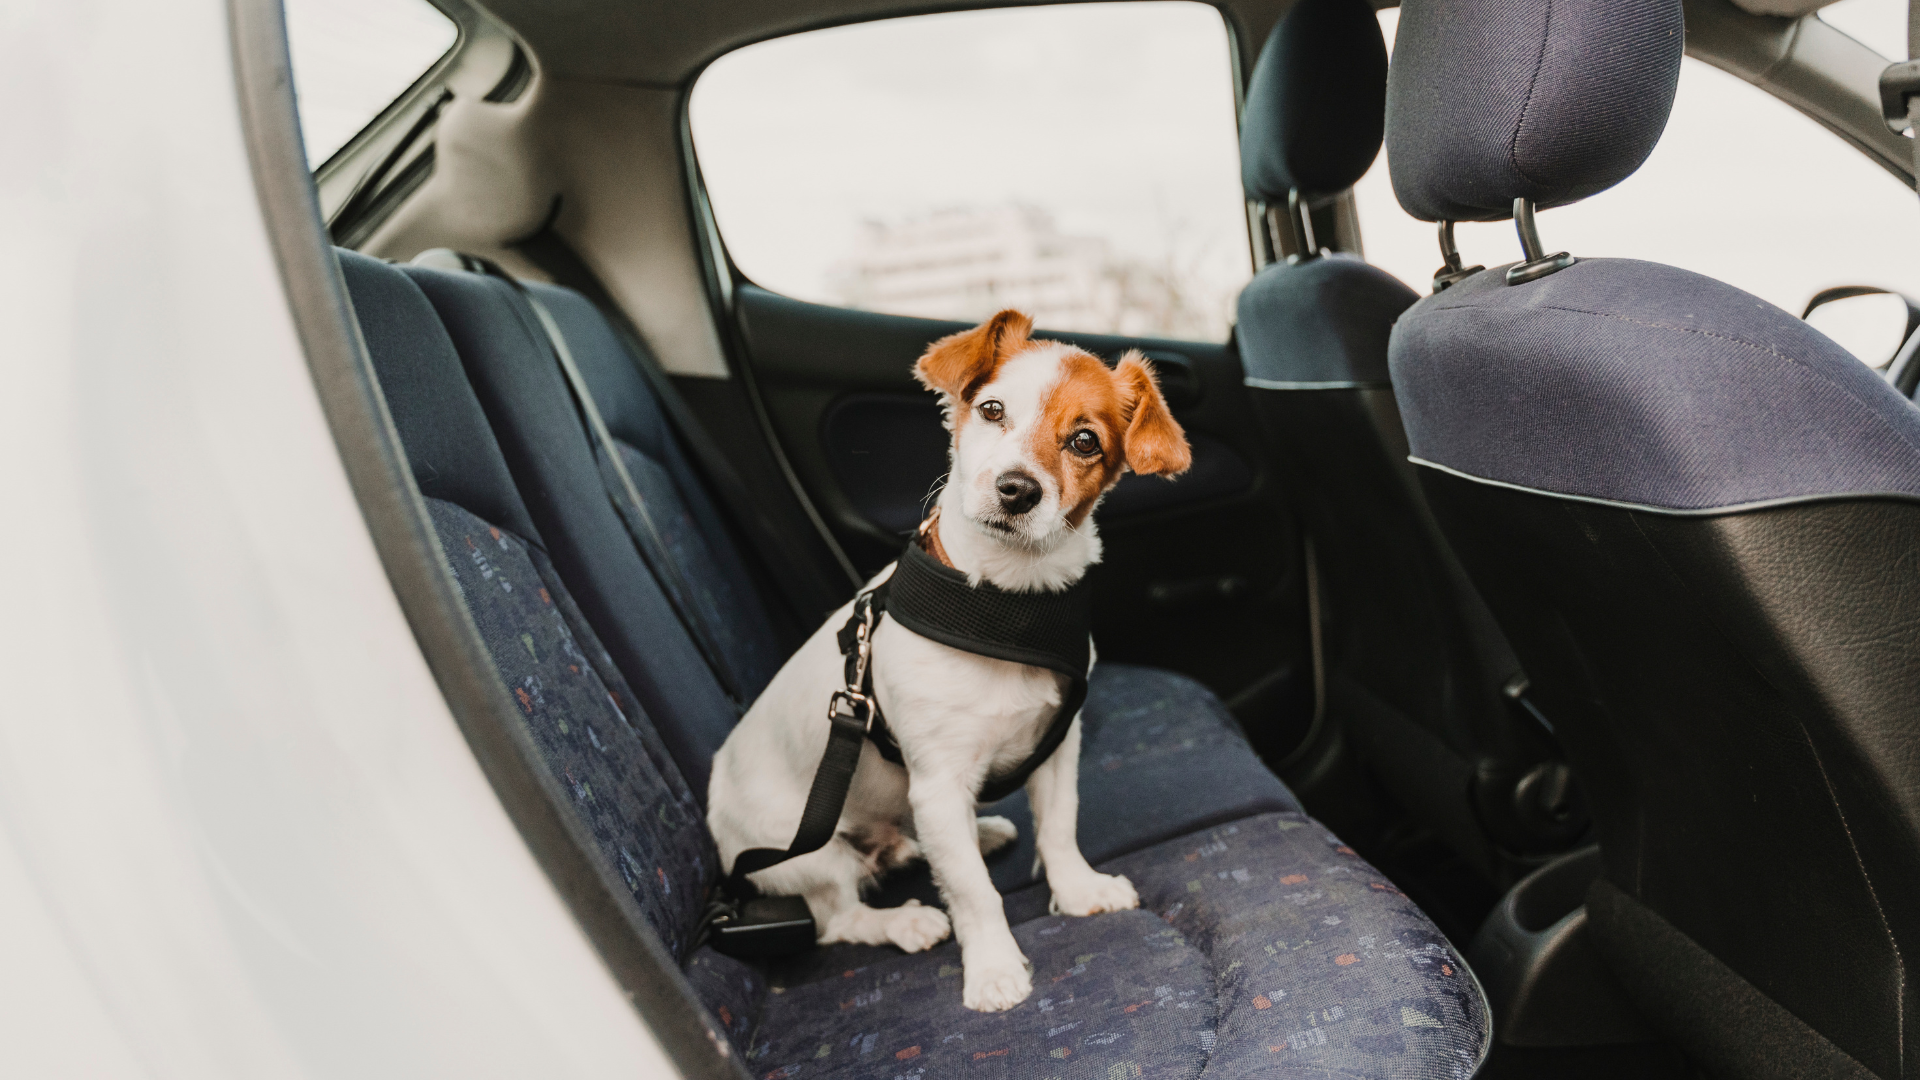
(877, 187)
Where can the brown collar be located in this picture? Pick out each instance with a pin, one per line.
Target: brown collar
(928, 537)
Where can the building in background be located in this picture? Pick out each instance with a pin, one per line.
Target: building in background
(967, 262)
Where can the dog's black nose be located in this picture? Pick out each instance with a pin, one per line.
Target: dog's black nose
(1019, 492)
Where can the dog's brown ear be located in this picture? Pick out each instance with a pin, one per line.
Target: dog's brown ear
(959, 364)
(1155, 443)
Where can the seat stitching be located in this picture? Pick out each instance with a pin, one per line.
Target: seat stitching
(1900, 966)
(1718, 336)
(1899, 962)
(1539, 61)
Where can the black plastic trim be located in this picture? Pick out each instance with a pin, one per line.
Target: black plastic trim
(368, 216)
(396, 518)
(519, 76)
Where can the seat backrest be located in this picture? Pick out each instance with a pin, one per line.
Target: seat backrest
(588, 725)
(1414, 666)
(1699, 521)
(699, 538)
(510, 364)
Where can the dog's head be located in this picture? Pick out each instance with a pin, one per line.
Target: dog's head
(1041, 429)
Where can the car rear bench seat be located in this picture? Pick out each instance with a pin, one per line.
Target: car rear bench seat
(1263, 945)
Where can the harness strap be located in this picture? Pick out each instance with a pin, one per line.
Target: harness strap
(936, 601)
(851, 714)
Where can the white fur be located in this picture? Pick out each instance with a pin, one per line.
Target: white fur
(957, 717)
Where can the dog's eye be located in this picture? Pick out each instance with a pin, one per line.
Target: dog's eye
(992, 411)
(1085, 443)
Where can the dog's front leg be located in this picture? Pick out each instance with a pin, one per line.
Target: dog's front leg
(1054, 792)
(996, 976)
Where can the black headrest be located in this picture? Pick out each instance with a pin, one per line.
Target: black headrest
(1316, 103)
(1489, 101)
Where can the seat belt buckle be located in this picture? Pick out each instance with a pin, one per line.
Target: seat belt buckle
(763, 927)
(1898, 83)
(850, 708)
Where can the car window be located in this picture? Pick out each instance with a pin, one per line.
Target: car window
(352, 58)
(1742, 187)
(1080, 162)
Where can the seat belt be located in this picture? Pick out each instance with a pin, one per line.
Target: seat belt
(797, 583)
(633, 511)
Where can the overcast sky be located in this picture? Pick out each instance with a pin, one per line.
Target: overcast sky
(1116, 117)
(1119, 119)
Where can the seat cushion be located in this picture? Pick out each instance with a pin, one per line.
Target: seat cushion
(1160, 757)
(1264, 947)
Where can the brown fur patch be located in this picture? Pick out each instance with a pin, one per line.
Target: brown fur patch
(1155, 446)
(1086, 397)
(958, 365)
(1124, 409)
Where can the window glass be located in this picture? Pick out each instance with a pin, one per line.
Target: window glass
(1079, 162)
(1880, 25)
(1742, 187)
(352, 58)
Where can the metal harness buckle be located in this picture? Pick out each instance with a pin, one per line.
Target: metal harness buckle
(851, 707)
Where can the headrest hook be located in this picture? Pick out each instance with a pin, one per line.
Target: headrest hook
(1536, 265)
(1451, 272)
(1300, 217)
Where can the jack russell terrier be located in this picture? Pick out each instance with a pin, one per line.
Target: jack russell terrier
(1041, 431)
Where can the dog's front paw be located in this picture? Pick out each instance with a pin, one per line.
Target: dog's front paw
(995, 833)
(997, 985)
(915, 928)
(1094, 894)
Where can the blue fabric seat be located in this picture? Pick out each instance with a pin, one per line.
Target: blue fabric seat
(1250, 943)
(1699, 520)
(1414, 668)
(1264, 947)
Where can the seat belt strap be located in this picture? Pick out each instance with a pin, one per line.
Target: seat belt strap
(632, 510)
(794, 579)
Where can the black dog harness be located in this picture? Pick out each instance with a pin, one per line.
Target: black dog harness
(1041, 629)
(1044, 629)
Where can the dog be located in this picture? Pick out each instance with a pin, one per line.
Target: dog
(1041, 430)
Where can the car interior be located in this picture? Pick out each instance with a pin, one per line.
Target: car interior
(1515, 686)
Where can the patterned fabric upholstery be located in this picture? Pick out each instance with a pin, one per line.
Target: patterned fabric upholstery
(732, 991)
(586, 723)
(1264, 948)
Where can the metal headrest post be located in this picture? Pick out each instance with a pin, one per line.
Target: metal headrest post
(1300, 216)
(1536, 265)
(1450, 271)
